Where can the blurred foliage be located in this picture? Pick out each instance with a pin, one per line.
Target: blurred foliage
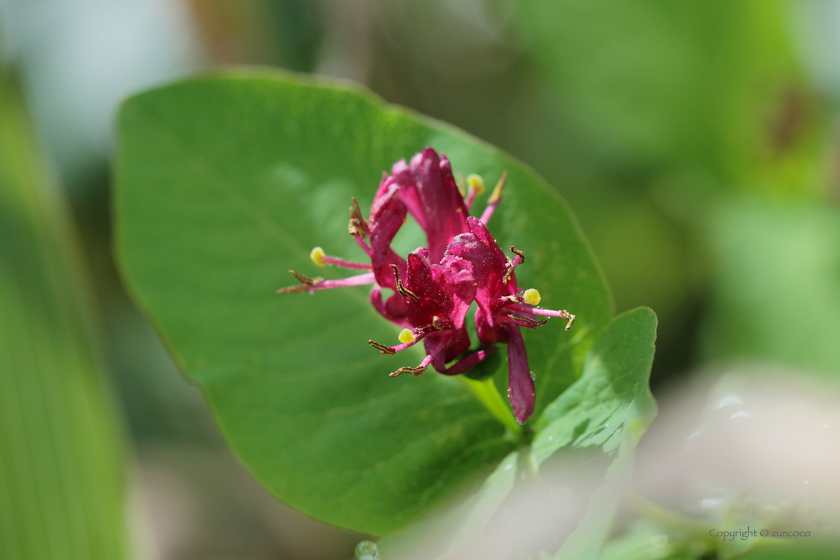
(658, 87)
(61, 470)
(776, 296)
(283, 34)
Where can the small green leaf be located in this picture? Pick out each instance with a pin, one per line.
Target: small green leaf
(226, 182)
(611, 394)
(603, 413)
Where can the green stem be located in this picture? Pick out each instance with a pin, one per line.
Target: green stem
(487, 394)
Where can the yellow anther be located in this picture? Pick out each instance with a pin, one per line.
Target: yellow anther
(317, 255)
(497, 192)
(406, 336)
(532, 297)
(476, 183)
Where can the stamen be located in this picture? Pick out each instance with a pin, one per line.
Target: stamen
(497, 191)
(530, 322)
(459, 182)
(304, 280)
(436, 323)
(406, 336)
(476, 183)
(317, 256)
(382, 348)
(415, 370)
(475, 187)
(313, 284)
(321, 259)
(531, 297)
(494, 199)
(403, 291)
(509, 266)
(357, 225)
(293, 289)
(512, 264)
(562, 313)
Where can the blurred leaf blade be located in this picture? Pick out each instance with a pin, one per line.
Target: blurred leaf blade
(226, 182)
(61, 471)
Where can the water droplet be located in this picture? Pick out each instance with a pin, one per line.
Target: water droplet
(508, 466)
(366, 550)
(550, 438)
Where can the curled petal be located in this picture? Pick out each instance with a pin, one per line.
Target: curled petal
(470, 361)
(520, 385)
(392, 309)
(387, 217)
(445, 346)
(429, 191)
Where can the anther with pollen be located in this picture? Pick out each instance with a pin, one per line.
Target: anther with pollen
(357, 225)
(403, 291)
(494, 199)
(382, 348)
(407, 337)
(415, 370)
(530, 322)
(513, 263)
(320, 258)
(305, 283)
(531, 296)
(475, 187)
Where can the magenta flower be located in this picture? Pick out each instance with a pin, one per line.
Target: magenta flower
(434, 287)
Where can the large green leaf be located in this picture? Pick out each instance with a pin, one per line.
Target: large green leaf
(61, 472)
(226, 182)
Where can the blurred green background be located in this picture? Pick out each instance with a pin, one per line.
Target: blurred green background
(697, 143)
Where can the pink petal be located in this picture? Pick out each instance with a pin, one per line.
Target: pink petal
(520, 385)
